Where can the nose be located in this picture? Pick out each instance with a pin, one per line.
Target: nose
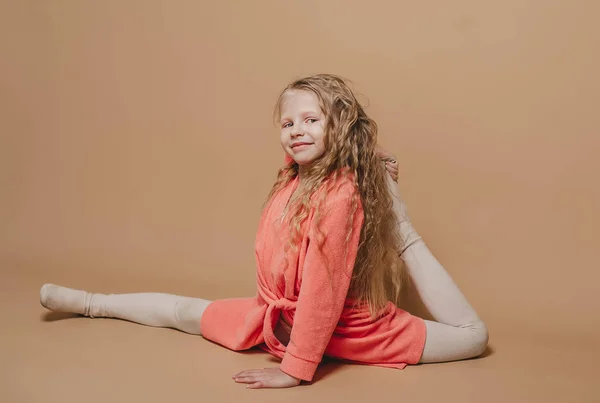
(296, 131)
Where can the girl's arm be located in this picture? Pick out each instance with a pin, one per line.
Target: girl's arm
(325, 283)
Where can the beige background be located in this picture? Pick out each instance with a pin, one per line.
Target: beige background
(137, 147)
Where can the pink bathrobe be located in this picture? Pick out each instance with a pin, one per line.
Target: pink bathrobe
(311, 295)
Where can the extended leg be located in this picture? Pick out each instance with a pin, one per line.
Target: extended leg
(458, 332)
(150, 309)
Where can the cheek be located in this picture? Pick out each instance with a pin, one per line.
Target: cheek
(322, 139)
(321, 146)
(320, 134)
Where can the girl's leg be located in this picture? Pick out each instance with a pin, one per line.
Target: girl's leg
(150, 309)
(458, 332)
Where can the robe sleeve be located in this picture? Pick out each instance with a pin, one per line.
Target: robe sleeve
(325, 282)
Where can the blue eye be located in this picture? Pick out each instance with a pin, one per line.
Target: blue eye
(286, 124)
(312, 120)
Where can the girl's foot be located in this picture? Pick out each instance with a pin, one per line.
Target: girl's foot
(63, 299)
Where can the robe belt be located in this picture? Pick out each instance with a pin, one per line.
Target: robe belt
(274, 308)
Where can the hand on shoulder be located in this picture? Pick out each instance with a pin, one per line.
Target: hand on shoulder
(390, 160)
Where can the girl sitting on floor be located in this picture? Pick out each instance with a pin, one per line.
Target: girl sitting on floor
(327, 249)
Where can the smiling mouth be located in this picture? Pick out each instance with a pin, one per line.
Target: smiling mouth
(300, 145)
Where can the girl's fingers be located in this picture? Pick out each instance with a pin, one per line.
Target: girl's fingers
(249, 375)
(250, 380)
(249, 372)
(247, 378)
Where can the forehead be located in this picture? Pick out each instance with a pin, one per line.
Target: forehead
(298, 101)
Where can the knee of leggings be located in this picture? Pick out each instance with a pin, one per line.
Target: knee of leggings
(479, 336)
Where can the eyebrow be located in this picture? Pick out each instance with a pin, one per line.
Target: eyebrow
(303, 114)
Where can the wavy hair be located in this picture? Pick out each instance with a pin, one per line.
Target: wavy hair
(350, 141)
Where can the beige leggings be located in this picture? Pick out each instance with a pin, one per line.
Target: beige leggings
(457, 334)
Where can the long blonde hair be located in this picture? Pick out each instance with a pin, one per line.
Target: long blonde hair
(350, 141)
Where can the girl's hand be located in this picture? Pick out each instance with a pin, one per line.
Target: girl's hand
(266, 378)
(392, 168)
(391, 163)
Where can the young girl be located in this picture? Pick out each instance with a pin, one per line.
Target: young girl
(327, 252)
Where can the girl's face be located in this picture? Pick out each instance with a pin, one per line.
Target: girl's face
(302, 126)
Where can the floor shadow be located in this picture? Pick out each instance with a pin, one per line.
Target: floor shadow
(326, 368)
(56, 316)
(488, 352)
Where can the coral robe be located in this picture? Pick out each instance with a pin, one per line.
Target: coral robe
(311, 295)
